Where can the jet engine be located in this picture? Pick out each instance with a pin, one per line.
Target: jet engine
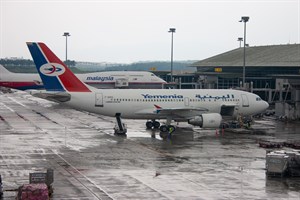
(207, 120)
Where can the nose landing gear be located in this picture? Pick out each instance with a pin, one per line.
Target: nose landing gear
(120, 128)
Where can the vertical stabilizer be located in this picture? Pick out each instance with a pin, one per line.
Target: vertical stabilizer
(55, 75)
(3, 70)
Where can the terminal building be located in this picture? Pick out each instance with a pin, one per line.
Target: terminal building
(273, 72)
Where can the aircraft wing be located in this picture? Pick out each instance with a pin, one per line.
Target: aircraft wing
(51, 96)
(184, 113)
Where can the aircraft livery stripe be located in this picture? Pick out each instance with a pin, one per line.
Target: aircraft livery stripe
(21, 85)
(68, 79)
(40, 60)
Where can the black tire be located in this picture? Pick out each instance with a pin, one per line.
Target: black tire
(149, 125)
(163, 129)
(156, 124)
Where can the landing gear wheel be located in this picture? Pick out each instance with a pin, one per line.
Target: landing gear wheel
(156, 124)
(149, 125)
(152, 124)
(163, 129)
(166, 131)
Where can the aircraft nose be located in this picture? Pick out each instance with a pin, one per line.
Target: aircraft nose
(265, 105)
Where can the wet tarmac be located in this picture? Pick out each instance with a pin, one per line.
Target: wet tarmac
(90, 162)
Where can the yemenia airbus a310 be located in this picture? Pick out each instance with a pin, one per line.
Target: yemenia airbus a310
(199, 107)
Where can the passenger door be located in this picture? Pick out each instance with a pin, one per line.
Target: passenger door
(99, 100)
(245, 101)
(186, 101)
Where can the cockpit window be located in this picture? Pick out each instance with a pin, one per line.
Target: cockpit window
(258, 99)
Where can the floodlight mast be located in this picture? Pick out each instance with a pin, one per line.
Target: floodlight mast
(66, 34)
(172, 30)
(245, 20)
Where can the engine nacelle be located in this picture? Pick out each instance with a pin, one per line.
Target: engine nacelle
(207, 120)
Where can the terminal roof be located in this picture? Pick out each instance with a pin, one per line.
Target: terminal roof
(257, 56)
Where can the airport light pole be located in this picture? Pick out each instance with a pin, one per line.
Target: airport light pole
(66, 34)
(172, 30)
(245, 20)
(240, 39)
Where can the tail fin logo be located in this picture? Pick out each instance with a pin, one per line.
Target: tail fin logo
(52, 69)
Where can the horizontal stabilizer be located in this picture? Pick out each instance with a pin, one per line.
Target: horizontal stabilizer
(58, 97)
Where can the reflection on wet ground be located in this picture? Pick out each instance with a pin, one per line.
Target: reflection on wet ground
(89, 162)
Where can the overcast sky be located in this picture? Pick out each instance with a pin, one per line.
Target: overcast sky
(137, 30)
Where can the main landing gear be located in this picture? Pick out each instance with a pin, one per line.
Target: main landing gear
(152, 124)
(165, 130)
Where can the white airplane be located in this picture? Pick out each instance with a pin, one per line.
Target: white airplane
(110, 79)
(200, 107)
